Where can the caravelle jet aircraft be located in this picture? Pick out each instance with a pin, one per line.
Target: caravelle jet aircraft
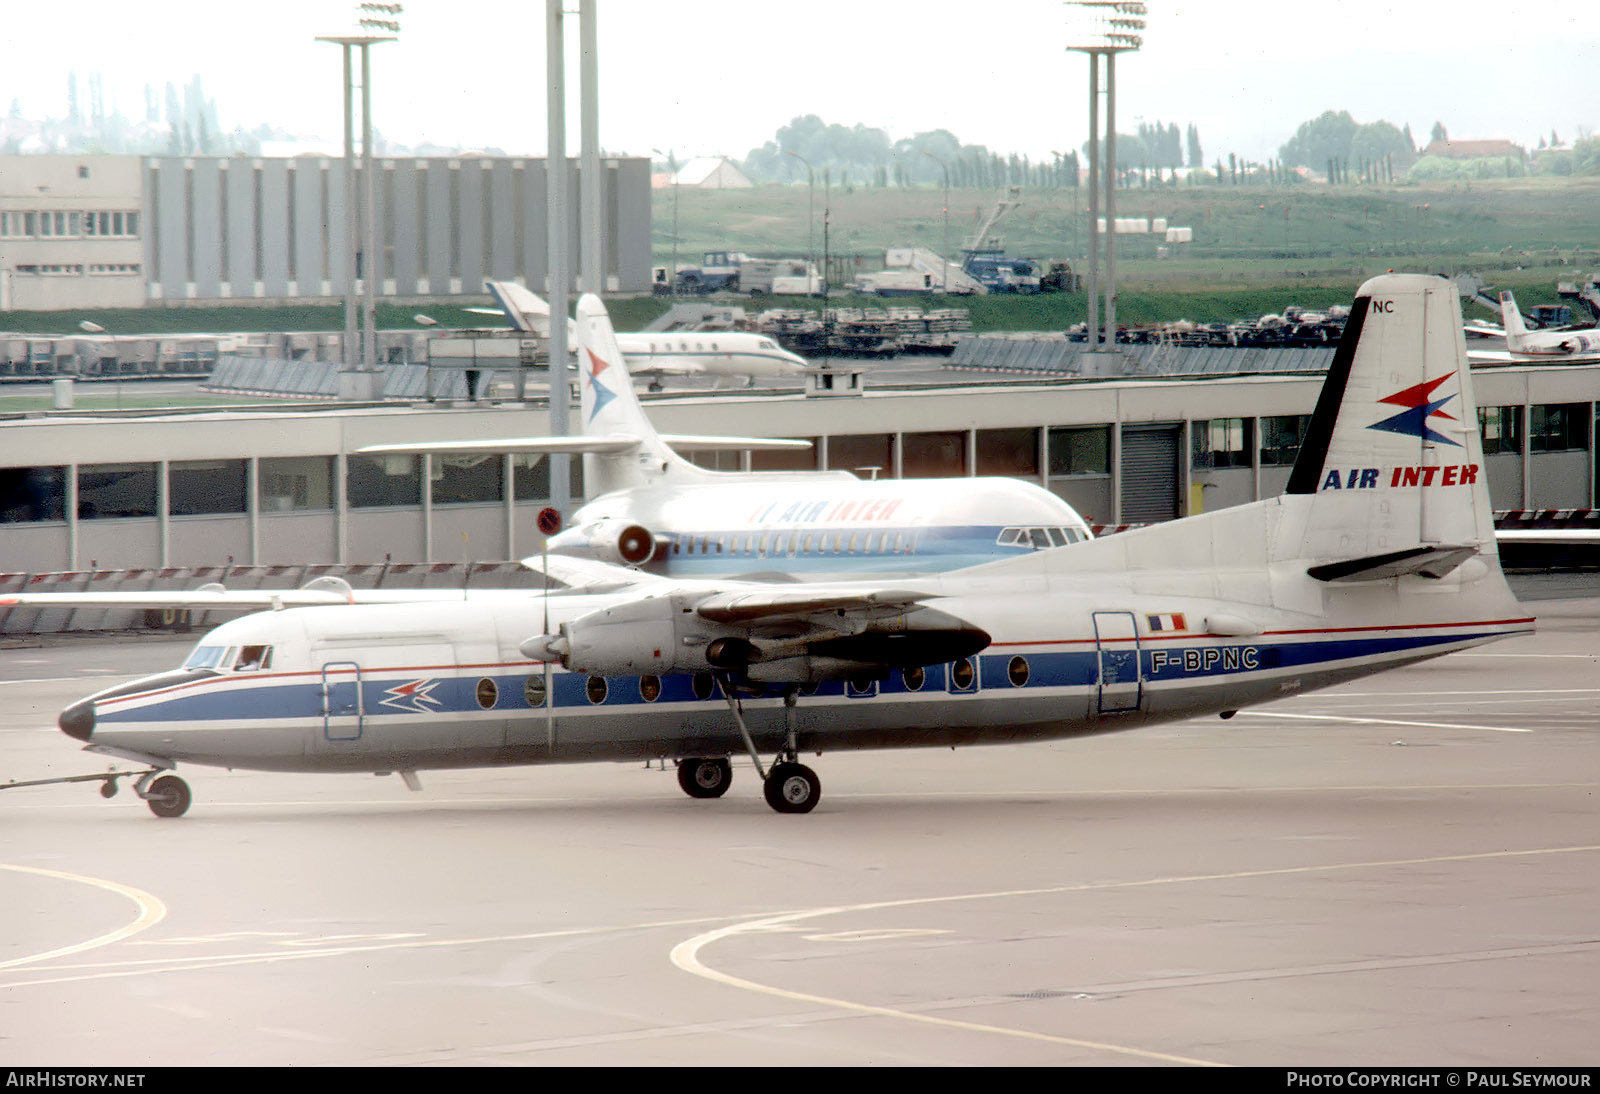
(718, 354)
(653, 509)
(1380, 553)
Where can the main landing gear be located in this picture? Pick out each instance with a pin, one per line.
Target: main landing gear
(789, 786)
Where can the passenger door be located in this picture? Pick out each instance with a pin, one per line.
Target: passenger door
(1117, 640)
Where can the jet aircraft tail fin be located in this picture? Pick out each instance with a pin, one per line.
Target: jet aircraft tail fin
(1511, 320)
(609, 405)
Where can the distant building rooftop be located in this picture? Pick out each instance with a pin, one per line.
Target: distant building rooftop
(1471, 150)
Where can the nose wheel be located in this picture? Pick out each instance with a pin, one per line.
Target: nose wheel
(167, 796)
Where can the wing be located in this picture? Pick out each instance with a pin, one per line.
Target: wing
(760, 634)
(589, 575)
(321, 592)
(663, 368)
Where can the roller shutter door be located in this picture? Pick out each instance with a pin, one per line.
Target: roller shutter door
(1149, 474)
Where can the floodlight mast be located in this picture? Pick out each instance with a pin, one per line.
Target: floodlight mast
(377, 22)
(1103, 28)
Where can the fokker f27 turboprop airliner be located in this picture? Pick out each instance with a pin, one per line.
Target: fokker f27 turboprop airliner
(1380, 553)
(656, 510)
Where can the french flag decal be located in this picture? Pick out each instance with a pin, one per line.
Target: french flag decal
(1173, 622)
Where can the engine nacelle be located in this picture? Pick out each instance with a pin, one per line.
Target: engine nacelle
(619, 542)
(649, 637)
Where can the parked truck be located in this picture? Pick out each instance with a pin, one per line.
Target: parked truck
(735, 271)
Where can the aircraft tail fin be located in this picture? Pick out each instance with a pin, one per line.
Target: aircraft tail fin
(1511, 320)
(610, 406)
(1392, 459)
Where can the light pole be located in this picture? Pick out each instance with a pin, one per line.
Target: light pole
(811, 249)
(358, 380)
(944, 276)
(672, 274)
(1104, 28)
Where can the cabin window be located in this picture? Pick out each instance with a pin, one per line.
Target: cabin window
(595, 688)
(533, 691)
(914, 678)
(487, 693)
(649, 688)
(1017, 671)
(702, 684)
(853, 542)
(962, 674)
(899, 542)
(252, 658)
(764, 542)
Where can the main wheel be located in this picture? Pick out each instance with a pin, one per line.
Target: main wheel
(168, 796)
(701, 777)
(792, 788)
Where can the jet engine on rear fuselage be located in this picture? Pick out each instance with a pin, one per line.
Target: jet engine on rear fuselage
(618, 542)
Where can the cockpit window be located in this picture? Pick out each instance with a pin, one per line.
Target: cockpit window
(207, 657)
(253, 658)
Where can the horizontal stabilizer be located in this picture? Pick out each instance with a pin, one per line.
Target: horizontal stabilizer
(1426, 561)
(693, 442)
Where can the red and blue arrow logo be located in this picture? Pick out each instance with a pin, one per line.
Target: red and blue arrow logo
(602, 394)
(1419, 407)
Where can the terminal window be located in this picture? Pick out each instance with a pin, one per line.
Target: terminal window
(1080, 450)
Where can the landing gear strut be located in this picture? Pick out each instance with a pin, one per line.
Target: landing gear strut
(789, 786)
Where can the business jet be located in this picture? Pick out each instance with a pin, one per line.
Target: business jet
(1521, 342)
(1380, 553)
(655, 510)
(655, 354)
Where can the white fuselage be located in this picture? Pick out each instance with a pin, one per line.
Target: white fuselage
(410, 687)
(832, 524)
(708, 353)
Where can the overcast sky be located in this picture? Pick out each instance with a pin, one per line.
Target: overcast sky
(704, 77)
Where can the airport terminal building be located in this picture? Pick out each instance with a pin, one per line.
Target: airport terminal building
(95, 231)
(81, 491)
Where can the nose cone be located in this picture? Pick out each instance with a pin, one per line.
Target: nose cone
(78, 720)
